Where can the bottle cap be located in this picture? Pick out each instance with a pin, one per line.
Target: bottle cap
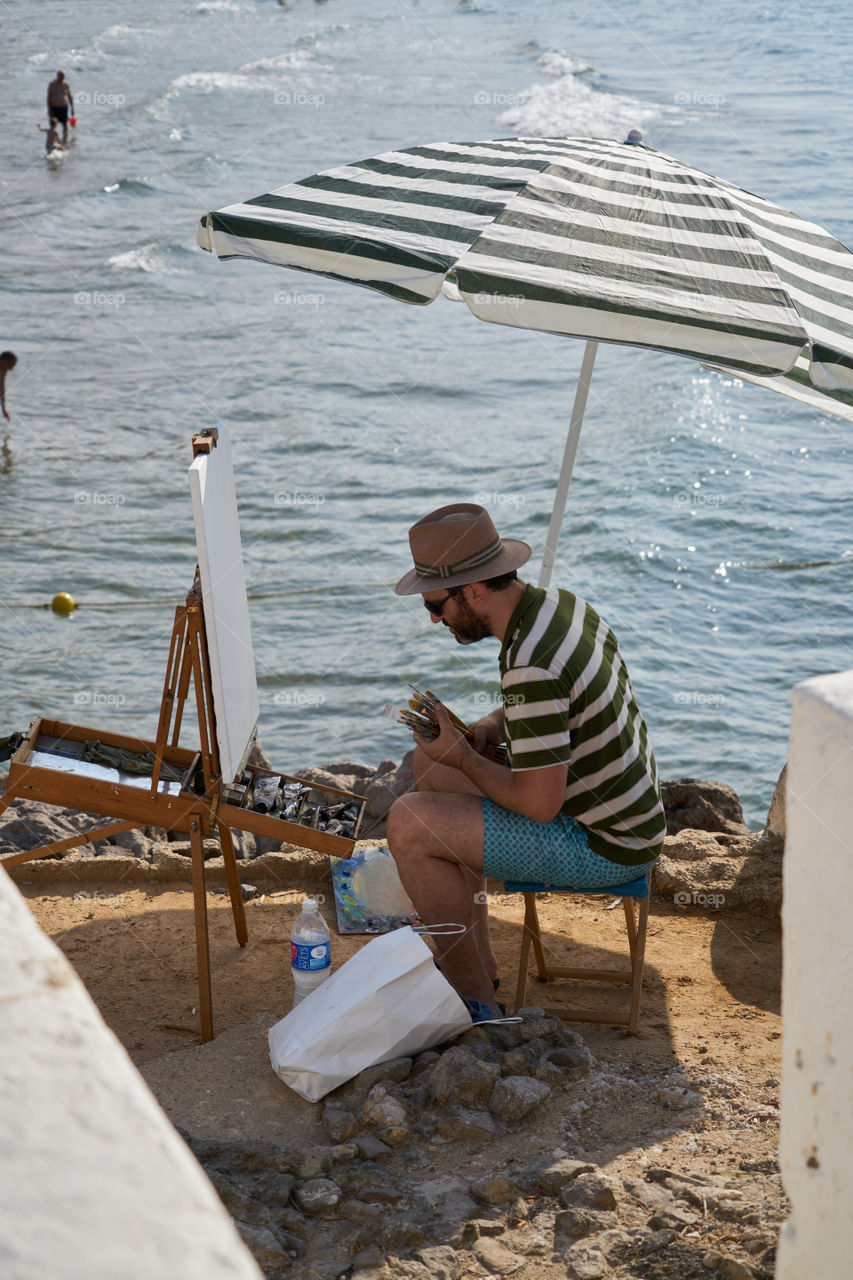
(309, 904)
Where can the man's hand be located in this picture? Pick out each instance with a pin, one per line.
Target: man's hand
(489, 731)
(450, 747)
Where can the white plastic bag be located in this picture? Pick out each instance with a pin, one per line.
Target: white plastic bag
(387, 1001)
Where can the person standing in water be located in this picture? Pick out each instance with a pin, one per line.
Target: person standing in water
(8, 360)
(59, 98)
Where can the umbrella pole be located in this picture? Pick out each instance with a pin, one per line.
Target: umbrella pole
(558, 511)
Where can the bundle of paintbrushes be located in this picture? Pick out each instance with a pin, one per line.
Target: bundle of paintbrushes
(421, 718)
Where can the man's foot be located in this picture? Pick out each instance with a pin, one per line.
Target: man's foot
(482, 1012)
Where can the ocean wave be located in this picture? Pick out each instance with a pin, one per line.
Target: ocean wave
(153, 259)
(214, 82)
(292, 60)
(572, 106)
(133, 185)
(554, 63)
(112, 40)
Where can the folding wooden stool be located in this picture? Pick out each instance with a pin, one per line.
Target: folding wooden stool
(633, 891)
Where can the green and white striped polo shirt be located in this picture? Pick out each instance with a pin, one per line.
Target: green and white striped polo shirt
(568, 700)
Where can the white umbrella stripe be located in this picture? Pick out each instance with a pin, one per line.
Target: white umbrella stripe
(388, 209)
(647, 292)
(371, 179)
(623, 256)
(722, 346)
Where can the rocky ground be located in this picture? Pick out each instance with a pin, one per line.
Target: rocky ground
(532, 1149)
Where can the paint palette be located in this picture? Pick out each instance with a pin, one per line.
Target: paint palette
(369, 897)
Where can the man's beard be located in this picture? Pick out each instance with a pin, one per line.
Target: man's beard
(468, 627)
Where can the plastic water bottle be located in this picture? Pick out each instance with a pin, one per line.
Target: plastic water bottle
(310, 951)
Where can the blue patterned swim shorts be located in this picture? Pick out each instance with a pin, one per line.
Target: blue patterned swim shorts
(556, 852)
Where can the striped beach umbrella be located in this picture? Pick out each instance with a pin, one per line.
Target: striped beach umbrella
(592, 238)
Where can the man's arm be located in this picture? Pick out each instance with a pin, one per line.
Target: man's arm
(535, 793)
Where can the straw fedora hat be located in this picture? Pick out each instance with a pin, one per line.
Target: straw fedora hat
(455, 545)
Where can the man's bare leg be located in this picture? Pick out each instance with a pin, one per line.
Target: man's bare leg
(436, 840)
(430, 776)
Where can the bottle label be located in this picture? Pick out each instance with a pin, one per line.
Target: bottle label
(310, 955)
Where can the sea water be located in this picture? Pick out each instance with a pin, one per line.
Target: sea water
(708, 522)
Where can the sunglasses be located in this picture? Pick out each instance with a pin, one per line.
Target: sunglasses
(436, 607)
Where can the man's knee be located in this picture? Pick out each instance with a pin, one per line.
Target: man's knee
(402, 823)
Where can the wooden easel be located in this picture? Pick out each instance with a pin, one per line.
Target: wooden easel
(188, 812)
(197, 807)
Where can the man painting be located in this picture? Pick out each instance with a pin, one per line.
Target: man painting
(579, 802)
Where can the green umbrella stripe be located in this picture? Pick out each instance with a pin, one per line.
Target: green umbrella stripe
(344, 242)
(837, 330)
(352, 195)
(564, 205)
(823, 354)
(331, 221)
(627, 276)
(488, 181)
(697, 321)
(549, 235)
(472, 157)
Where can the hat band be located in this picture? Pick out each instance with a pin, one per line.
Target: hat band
(461, 566)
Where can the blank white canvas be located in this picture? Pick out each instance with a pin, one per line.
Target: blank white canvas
(226, 608)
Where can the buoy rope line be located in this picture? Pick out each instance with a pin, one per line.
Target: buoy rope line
(64, 602)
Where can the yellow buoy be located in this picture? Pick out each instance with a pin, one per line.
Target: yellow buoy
(62, 602)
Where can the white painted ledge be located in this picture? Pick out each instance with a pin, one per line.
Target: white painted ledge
(816, 1146)
(94, 1182)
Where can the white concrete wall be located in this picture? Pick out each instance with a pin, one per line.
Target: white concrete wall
(817, 989)
(95, 1184)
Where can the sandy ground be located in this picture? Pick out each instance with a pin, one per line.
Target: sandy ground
(710, 1014)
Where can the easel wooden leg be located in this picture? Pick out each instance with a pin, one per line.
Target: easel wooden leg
(233, 879)
(202, 940)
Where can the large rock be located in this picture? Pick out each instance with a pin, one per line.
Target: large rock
(702, 806)
(704, 871)
(389, 782)
(514, 1096)
(460, 1076)
(775, 824)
